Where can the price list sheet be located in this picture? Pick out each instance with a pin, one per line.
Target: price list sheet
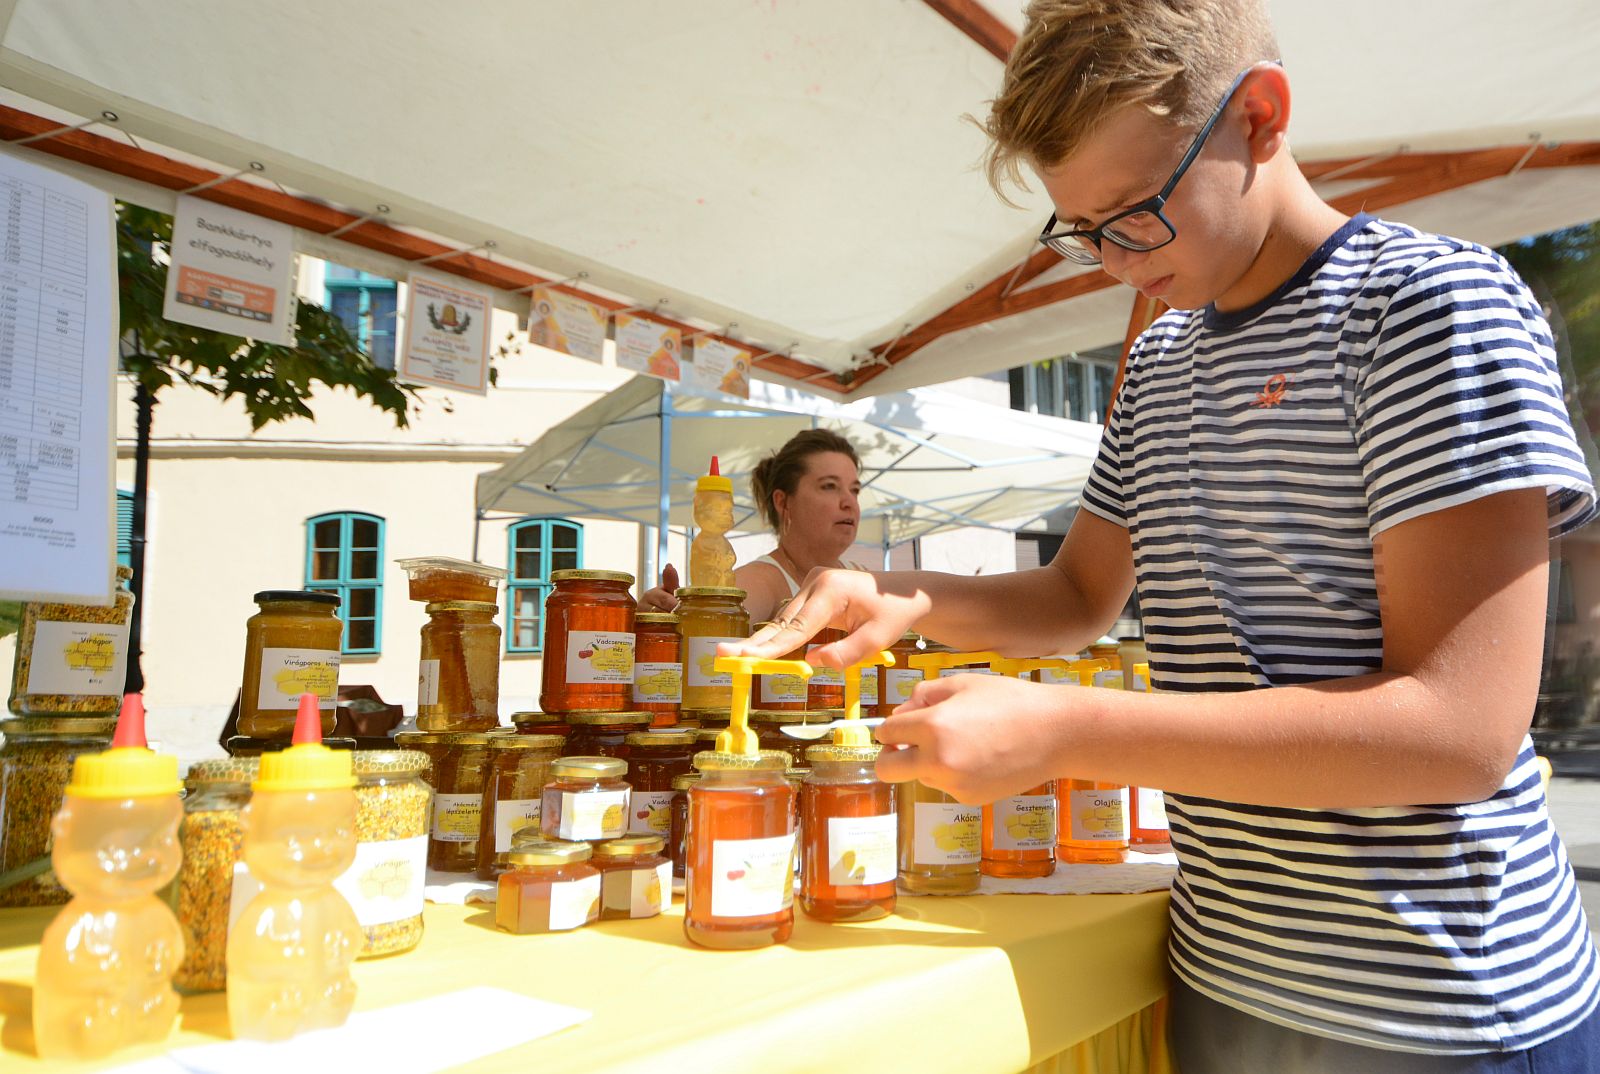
(58, 328)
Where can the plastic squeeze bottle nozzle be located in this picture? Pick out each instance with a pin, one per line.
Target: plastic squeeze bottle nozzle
(711, 556)
(104, 978)
(290, 951)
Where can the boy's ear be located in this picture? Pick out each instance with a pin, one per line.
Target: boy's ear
(1266, 111)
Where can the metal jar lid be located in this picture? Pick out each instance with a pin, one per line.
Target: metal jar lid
(581, 575)
(762, 761)
(546, 852)
(607, 719)
(588, 768)
(690, 592)
(273, 596)
(663, 736)
(629, 846)
(527, 742)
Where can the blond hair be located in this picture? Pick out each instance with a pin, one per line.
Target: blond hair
(1079, 61)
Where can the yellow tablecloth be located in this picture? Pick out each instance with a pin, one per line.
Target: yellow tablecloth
(965, 985)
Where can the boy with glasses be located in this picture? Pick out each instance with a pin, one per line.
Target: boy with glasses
(1333, 471)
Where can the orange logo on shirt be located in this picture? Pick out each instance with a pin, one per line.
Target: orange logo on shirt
(1277, 387)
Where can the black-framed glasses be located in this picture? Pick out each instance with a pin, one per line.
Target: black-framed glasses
(1143, 227)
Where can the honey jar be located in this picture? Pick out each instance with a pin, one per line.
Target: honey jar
(708, 616)
(740, 851)
(519, 767)
(896, 683)
(1019, 834)
(635, 876)
(655, 758)
(291, 647)
(459, 769)
(602, 734)
(847, 845)
(540, 723)
(587, 798)
(676, 849)
(547, 886)
(825, 690)
(458, 683)
(657, 667)
(780, 693)
(588, 642)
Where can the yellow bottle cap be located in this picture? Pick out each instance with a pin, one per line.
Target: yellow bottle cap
(714, 481)
(307, 765)
(129, 769)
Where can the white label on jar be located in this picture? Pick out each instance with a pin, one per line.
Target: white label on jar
(1137, 682)
(599, 656)
(946, 833)
(782, 690)
(638, 892)
(288, 673)
(1153, 810)
(1025, 822)
(1111, 680)
(511, 815)
(455, 817)
(428, 683)
(752, 877)
(384, 883)
(900, 681)
(1099, 816)
(593, 814)
(650, 812)
(861, 850)
(701, 659)
(79, 658)
(869, 686)
(658, 684)
(827, 677)
(574, 903)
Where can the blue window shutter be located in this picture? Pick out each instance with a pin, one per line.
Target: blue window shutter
(124, 528)
(344, 556)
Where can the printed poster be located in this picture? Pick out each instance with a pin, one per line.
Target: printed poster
(447, 334)
(231, 272)
(564, 323)
(720, 367)
(647, 346)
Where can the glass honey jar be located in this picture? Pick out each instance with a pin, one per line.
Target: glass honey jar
(291, 647)
(602, 734)
(780, 693)
(655, 758)
(708, 616)
(586, 799)
(459, 769)
(1019, 834)
(940, 841)
(635, 876)
(540, 723)
(519, 767)
(825, 689)
(848, 832)
(588, 642)
(740, 851)
(547, 886)
(458, 681)
(657, 667)
(896, 683)
(36, 759)
(676, 848)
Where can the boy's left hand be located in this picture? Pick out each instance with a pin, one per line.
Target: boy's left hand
(976, 737)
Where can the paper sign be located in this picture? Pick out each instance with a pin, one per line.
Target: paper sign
(58, 338)
(447, 334)
(647, 346)
(231, 272)
(564, 323)
(720, 367)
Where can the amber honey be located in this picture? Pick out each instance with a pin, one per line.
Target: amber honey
(848, 833)
(740, 851)
(657, 667)
(896, 683)
(635, 876)
(940, 844)
(655, 758)
(548, 886)
(780, 693)
(1093, 824)
(540, 723)
(768, 725)
(588, 642)
(602, 734)
(677, 835)
(519, 767)
(707, 616)
(1019, 834)
(825, 690)
(459, 770)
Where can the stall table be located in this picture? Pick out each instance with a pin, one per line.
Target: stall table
(965, 985)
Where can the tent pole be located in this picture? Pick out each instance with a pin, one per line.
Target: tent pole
(663, 484)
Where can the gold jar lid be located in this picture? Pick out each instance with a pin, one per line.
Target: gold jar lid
(659, 618)
(461, 606)
(588, 768)
(762, 761)
(546, 852)
(443, 738)
(394, 763)
(786, 716)
(681, 783)
(581, 575)
(728, 592)
(527, 742)
(227, 770)
(661, 736)
(706, 715)
(63, 726)
(830, 751)
(708, 734)
(606, 719)
(536, 716)
(630, 846)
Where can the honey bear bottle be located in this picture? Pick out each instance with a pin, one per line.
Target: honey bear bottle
(711, 556)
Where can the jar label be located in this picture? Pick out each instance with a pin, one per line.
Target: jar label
(1111, 680)
(1153, 810)
(900, 683)
(1137, 682)
(1099, 816)
(511, 815)
(428, 683)
(947, 673)
(455, 817)
(782, 690)
(1025, 822)
(639, 892)
(869, 686)
(752, 877)
(384, 883)
(599, 656)
(947, 833)
(658, 684)
(288, 673)
(827, 677)
(593, 814)
(700, 657)
(1057, 677)
(861, 850)
(574, 903)
(78, 658)
(650, 812)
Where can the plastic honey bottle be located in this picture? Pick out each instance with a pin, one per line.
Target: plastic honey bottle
(711, 556)
(106, 962)
(289, 954)
(1093, 816)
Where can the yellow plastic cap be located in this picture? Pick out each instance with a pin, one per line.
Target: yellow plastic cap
(714, 481)
(124, 772)
(308, 767)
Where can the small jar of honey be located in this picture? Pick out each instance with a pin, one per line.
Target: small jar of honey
(588, 642)
(657, 667)
(519, 767)
(708, 616)
(847, 847)
(460, 767)
(740, 851)
(655, 758)
(586, 798)
(548, 886)
(602, 734)
(635, 876)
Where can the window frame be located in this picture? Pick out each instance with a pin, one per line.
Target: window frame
(364, 284)
(544, 525)
(344, 582)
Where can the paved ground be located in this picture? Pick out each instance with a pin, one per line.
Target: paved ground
(1575, 807)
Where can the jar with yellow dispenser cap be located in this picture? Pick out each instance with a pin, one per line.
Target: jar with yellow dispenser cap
(848, 831)
(289, 952)
(940, 839)
(708, 616)
(1093, 819)
(548, 886)
(586, 799)
(1147, 807)
(115, 946)
(513, 793)
(740, 855)
(635, 876)
(588, 642)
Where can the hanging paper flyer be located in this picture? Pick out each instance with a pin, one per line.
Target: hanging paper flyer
(447, 334)
(567, 324)
(647, 346)
(231, 272)
(720, 367)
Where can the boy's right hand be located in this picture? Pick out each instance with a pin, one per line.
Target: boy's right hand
(866, 606)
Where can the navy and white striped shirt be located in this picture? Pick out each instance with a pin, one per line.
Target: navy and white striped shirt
(1253, 457)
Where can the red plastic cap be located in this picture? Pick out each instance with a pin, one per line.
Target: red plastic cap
(308, 721)
(130, 723)
(716, 471)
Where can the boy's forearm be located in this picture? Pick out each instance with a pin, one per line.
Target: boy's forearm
(1025, 613)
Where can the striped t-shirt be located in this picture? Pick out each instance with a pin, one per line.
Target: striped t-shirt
(1253, 456)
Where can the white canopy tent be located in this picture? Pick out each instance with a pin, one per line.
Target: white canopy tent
(795, 176)
(930, 460)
